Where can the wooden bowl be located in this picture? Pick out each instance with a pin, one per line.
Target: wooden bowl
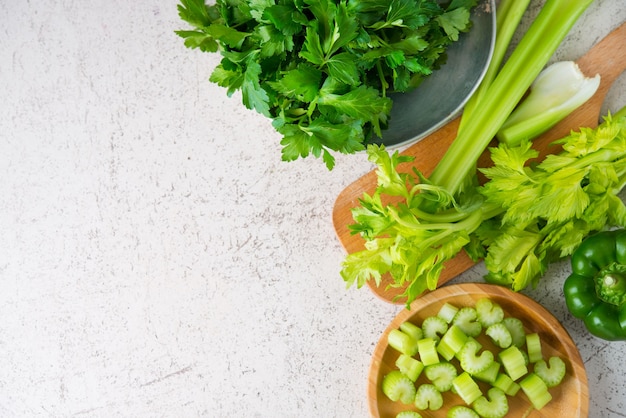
(569, 399)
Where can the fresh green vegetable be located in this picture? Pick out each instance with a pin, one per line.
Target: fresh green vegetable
(447, 312)
(408, 414)
(513, 362)
(467, 320)
(460, 411)
(434, 327)
(482, 381)
(516, 328)
(499, 334)
(495, 405)
(471, 362)
(412, 330)
(556, 92)
(398, 387)
(437, 217)
(441, 375)
(402, 342)
(451, 342)
(536, 390)
(427, 349)
(488, 312)
(529, 57)
(466, 388)
(409, 366)
(552, 372)
(506, 384)
(428, 397)
(321, 69)
(533, 347)
(596, 290)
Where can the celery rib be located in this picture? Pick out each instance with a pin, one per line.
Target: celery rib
(526, 62)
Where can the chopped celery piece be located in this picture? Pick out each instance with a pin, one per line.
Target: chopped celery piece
(398, 387)
(533, 347)
(451, 342)
(402, 342)
(488, 312)
(411, 329)
(552, 372)
(556, 92)
(496, 406)
(490, 374)
(466, 388)
(460, 411)
(471, 362)
(536, 390)
(434, 327)
(516, 328)
(514, 362)
(466, 319)
(428, 397)
(447, 312)
(441, 375)
(500, 335)
(408, 414)
(427, 348)
(508, 385)
(410, 366)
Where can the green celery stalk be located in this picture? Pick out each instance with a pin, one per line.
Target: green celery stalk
(508, 16)
(536, 47)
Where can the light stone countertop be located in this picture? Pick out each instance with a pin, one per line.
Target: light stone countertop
(158, 259)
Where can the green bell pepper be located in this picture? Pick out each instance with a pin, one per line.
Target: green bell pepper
(596, 290)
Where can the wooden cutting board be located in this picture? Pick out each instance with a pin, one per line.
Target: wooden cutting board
(607, 58)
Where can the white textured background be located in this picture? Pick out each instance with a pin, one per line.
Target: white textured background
(157, 259)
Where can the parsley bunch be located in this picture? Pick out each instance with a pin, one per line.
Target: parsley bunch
(322, 69)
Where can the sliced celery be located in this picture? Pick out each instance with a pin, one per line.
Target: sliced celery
(495, 405)
(441, 375)
(402, 342)
(466, 319)
(434, 327)
(428, 397)
(411, 329)
(398, 387)
(447, 312)
(451, 342)
(427, 348)
(552, 372)
(490, 374)
(516, 328)
(536, 390)
(408, 414)
(513, 362)
(508, 385)
(410, 366)
(471, 362)
(533, 347)
(499, 334)
(460, 411)
(488, 312)
(556, 92)
(466, 388)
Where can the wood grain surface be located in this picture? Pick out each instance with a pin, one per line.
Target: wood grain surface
(607, 58)
(569, 399)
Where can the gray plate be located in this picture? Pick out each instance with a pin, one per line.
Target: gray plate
(442, 95)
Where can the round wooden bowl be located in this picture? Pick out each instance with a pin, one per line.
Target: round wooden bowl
(569, 399)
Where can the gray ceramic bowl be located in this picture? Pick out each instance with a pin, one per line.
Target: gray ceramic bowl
(442, 95)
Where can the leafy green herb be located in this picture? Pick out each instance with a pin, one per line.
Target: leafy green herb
(322, 69)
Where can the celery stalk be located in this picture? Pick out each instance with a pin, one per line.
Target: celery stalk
(508, 16)
(536, 47)
(556, 92)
